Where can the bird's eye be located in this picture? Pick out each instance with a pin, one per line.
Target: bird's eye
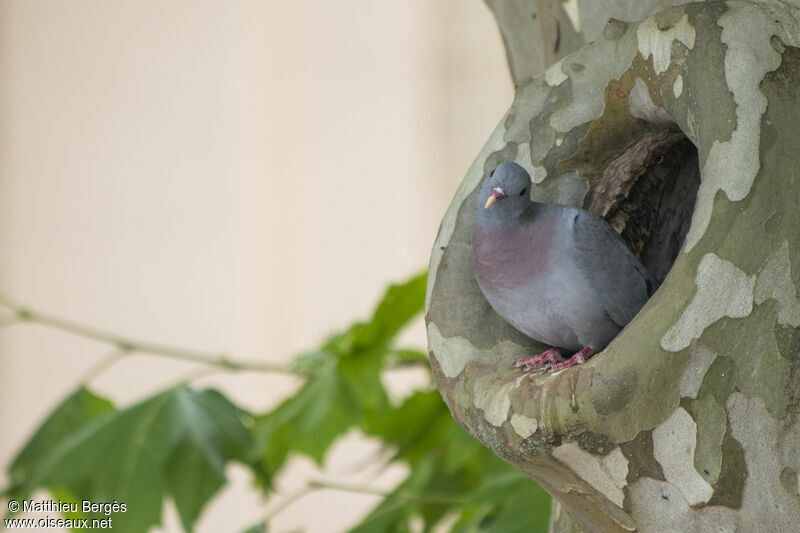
(522, 192)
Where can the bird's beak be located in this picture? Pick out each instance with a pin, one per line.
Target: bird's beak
(497, 194)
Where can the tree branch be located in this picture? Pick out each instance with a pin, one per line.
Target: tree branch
(128, 345)
(102, 365)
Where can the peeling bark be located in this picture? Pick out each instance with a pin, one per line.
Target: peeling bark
(593, 14)
(647, 194)
(690, 419)
(620, 175)
(536, 34)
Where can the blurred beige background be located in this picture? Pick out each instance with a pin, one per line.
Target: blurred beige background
(241, 176)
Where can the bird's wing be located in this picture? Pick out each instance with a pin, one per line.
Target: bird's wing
(619, 280)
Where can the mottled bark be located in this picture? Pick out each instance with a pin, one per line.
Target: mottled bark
(536, 34)
(593, 14)
(690, 419)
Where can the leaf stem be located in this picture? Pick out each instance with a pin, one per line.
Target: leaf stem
(320, 484)
(289, 500)
(408, 497)
(102, 365)
(347, 487)
(126, 344)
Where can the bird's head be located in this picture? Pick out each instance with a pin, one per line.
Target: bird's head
(505, 193)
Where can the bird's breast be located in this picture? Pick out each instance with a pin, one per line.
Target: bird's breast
(506, 258)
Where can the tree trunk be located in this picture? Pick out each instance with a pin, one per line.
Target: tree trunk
(690, 419)
(536, 34)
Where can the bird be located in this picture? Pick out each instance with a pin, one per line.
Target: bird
(559, 274)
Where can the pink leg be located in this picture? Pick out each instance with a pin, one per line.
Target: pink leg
(547, 356)
(577, 359)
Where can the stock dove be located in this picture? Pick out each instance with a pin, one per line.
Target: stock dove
(558, 274)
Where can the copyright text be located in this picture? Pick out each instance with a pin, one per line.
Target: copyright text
(57, 507)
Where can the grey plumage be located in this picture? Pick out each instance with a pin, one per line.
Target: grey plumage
(559, 274)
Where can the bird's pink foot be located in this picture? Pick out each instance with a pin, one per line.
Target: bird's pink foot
(548, 356)
(576, 359)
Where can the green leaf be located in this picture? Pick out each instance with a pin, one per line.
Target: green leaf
(212, 433)
(175, 443)
(461, 475)
(507, 502)
(414, 427)
(307, 422)
(75, 412)
(394, 512)
(261, 527)
(407, 357)
(399, 305)
(427, 438)
(345, 388)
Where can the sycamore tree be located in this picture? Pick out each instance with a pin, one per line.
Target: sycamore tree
(682, 131)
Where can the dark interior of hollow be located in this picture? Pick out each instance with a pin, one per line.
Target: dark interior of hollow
(656, 211)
